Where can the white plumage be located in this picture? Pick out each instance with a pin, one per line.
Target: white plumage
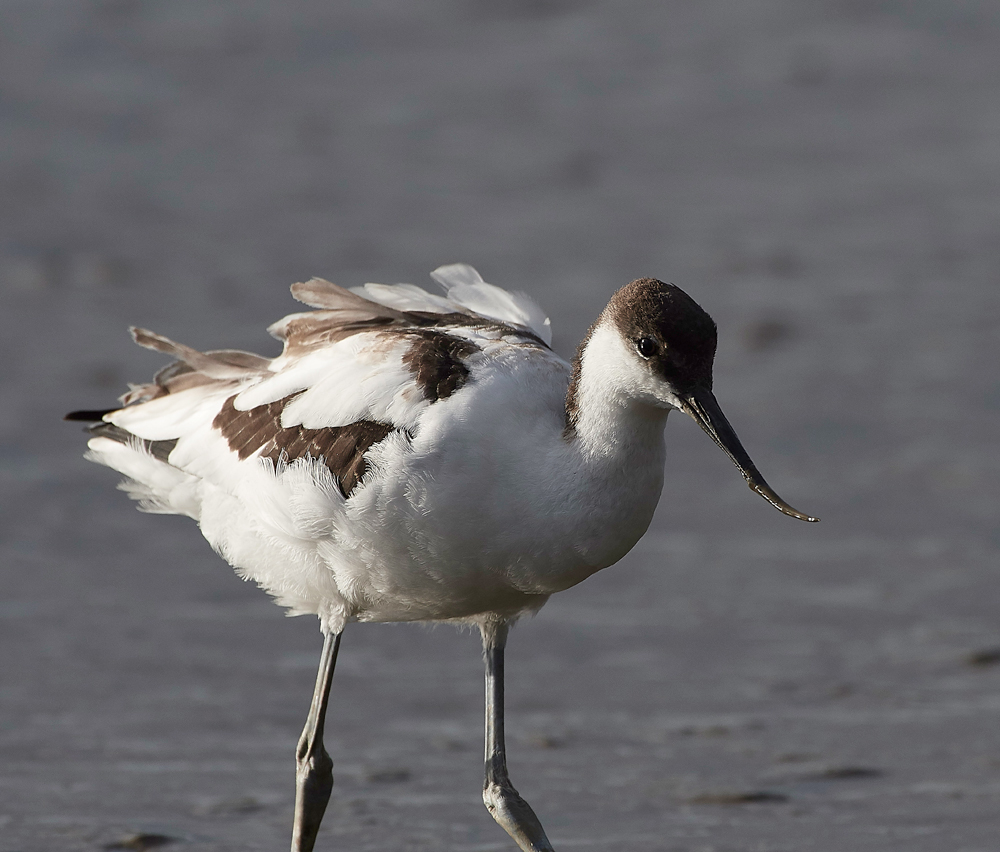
(417, 457)
(389, 551)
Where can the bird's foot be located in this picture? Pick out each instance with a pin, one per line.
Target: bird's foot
(313, 785)
(515, 816)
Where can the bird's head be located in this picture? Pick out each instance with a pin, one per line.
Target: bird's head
(669, 343)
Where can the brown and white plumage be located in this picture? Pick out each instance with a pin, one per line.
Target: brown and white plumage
(412, 457)
(268, 454)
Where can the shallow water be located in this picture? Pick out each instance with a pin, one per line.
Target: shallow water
(824, 181)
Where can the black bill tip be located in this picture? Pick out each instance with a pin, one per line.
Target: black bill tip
(765, 491)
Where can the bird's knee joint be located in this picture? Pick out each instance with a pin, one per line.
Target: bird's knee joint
(315, 762)
(502, 800)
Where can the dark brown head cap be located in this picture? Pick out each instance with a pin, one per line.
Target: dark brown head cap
(669, 329)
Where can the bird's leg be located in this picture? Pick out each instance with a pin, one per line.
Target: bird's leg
(499, 795)
(313, 767)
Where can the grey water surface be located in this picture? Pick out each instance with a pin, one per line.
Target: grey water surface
(824, 178)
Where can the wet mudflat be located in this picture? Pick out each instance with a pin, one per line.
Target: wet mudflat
(823, 180)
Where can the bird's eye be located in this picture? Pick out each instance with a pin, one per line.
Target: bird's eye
(647, 347)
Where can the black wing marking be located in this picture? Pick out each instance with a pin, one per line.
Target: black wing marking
(436, 361)
(89, 415)
(158, 449)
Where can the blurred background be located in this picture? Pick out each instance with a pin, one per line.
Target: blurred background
(823, 178)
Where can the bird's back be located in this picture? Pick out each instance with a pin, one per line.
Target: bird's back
(349, 475)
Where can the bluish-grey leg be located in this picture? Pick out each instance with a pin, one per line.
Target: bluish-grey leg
(499, 795)
(313, 767)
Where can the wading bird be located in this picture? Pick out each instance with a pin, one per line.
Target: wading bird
(417, 457)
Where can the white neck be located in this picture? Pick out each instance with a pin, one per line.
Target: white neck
(613, 411)
(617, 433)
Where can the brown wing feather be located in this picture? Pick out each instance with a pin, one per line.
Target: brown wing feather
(341, 448)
